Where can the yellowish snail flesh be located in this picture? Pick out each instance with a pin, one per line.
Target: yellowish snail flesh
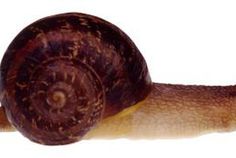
(74, 76)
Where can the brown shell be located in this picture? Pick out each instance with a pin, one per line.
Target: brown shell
(63, 73)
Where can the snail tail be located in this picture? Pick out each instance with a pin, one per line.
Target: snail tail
(4, 123)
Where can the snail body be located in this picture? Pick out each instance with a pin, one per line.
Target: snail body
(173, 111)
(71, 75)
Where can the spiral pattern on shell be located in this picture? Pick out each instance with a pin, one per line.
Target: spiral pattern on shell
(63, 73)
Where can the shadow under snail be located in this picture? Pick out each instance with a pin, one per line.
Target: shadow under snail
(72, 76)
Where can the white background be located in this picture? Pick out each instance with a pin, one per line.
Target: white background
(188, 42)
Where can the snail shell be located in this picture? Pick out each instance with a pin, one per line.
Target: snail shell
(62, 74)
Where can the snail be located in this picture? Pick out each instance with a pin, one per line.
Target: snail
(75, 76)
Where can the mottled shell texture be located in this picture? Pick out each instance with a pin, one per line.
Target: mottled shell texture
(64, 73)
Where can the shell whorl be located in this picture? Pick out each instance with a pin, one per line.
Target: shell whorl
(57, 102)
(63, 73)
